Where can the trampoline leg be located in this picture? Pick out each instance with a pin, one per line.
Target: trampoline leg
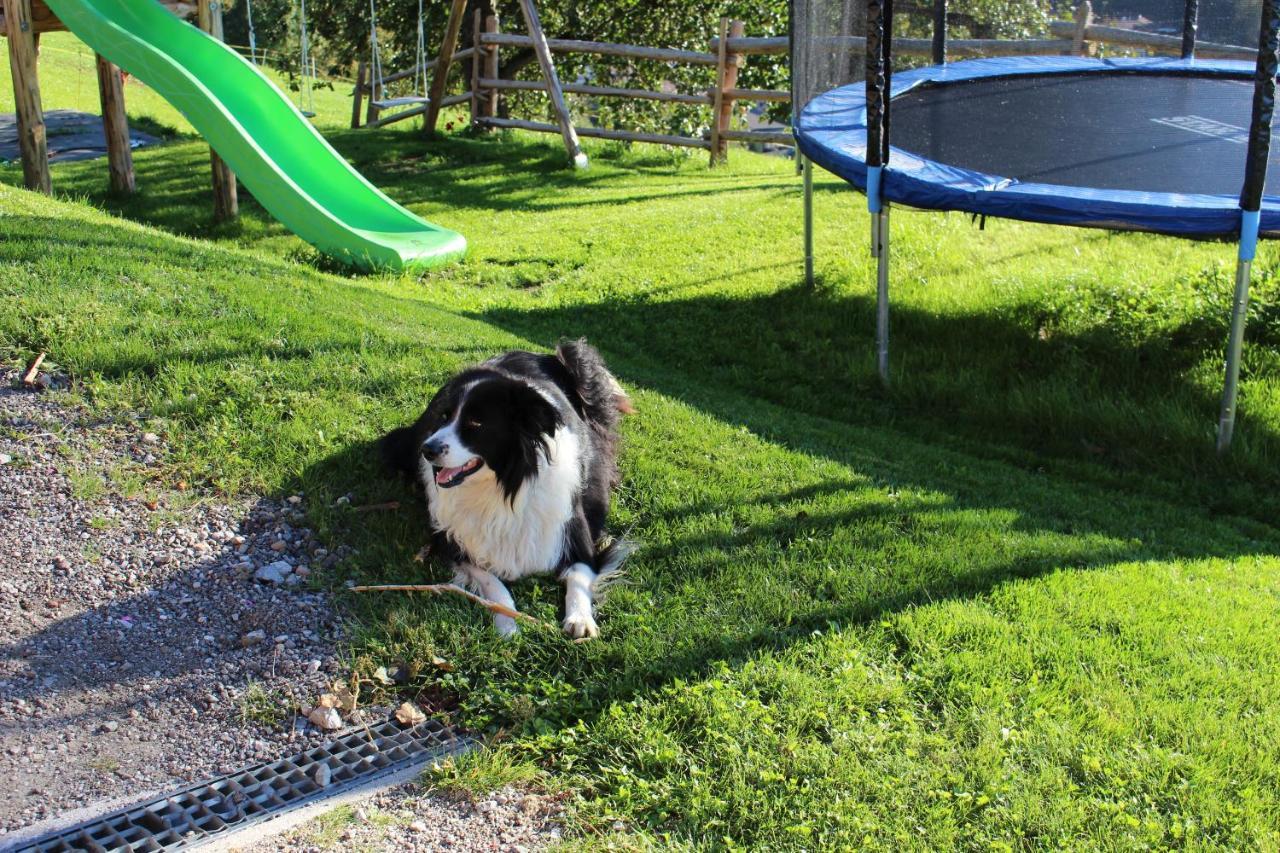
(808, 222)
(1235, 343)
(880, 251)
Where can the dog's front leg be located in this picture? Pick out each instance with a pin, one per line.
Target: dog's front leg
(489, 586)
(579, 622)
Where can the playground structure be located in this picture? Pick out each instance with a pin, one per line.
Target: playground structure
(257, 132)
(1171, 146)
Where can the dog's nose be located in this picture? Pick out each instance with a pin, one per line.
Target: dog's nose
(434, 449)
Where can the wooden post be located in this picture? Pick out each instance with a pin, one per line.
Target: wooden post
(491, 70)
(1080, 46)
(727, 64)
(226, 202)
(357, 96)
(115, 127)
(32, 138)
(477, 64)
(543, 51)
(440, 80)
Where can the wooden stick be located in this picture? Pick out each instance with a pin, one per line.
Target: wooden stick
(633, 51)
(491, 24)
(543, 52)
(357, 96)
(599, 132)
(477, 63)
(454, 589)
(29, 375)
(226, 201)
(440, 80)
(32, 137)
(385, 505)
(115, 127)
(603, 91)
(719, 118)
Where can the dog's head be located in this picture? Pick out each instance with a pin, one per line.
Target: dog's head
(490, 428)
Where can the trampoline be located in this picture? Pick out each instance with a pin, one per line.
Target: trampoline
(1177, 146)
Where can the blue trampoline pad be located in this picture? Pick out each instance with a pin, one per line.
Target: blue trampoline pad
(1147, 144)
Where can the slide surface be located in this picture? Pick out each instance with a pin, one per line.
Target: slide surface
(276, 153)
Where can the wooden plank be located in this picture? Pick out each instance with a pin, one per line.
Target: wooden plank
(1151, 41)
(357, 94)
(115, 127)
(717, 94)
(477, 63)
(758, 94)
(226, 200)
(754, 45)
(429, 65)
(43, 19)
(600, 133)
(538, 39)
(440, 80)
(778, 137)
(601, 91)
(491, 25)
(633, 51)
(421, 109)
(32, 137)
(726, 79)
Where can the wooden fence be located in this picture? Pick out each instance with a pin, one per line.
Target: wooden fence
(726, 54)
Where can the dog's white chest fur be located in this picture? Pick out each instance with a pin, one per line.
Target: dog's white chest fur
(519, 538)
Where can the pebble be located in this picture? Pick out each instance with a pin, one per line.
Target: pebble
(253, 638)
(274, 572)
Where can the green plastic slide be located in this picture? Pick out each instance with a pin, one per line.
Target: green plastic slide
(289, 167)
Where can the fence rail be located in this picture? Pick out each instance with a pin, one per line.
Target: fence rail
(727, 52)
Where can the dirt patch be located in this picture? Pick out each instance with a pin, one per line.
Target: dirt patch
(138, 649)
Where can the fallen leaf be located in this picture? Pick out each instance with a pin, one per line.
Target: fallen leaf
(423, 553)
(410, 714)
(441, 663)
(328, 700)
(380, 675)
(346, 699)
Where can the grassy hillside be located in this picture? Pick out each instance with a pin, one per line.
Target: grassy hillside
(1015, 601)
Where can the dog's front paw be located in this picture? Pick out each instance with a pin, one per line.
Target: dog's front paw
(581, 626)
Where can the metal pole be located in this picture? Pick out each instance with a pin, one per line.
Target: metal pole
(1235, 343)
(1255, 177)
(880, 249)
(808, 221)
(1190, 19)
(940, 31)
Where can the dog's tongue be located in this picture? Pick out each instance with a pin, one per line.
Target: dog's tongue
(444, 475)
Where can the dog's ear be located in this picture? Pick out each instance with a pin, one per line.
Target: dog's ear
(399, 450)
(534, 420)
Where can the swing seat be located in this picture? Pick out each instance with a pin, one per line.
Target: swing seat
(400, 102)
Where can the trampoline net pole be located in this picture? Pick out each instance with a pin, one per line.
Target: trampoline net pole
(808, 221)
(1255, 176)
(940, 31)
(882, 292)
(1190, 22)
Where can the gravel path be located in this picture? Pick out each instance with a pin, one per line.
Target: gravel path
(137, 648)
(409, 818)
(152, 636)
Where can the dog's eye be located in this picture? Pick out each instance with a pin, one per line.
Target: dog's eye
(444, 416)
(473, 423)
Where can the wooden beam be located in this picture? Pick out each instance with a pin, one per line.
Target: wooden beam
(727, 64)
(43, 19)
(603, 91)
(226, 200)
(115, 127)
(491, 25)
(543, 52)
(32, 138)
(632, 51)
(599, 132)
(440, 80)
(357, 94)
(477, 64)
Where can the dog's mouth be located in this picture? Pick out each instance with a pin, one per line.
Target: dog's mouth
(447, 478)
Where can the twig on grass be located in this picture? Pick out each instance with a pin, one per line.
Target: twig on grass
(33, 370)
(441, 588)
(385, 505)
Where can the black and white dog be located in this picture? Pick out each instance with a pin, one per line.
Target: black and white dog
(518, 457)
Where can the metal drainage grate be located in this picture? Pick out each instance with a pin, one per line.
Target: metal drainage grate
(194, 815)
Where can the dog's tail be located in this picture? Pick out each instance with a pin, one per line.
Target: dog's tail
(602, 397)
(610, 556)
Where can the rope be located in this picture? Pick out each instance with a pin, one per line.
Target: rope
(253, 39)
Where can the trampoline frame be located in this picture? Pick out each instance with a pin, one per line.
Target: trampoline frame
(926, 183)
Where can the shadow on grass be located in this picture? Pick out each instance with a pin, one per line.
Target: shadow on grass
(1092, 405)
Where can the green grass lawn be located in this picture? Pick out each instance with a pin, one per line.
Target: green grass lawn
(1014, 602)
